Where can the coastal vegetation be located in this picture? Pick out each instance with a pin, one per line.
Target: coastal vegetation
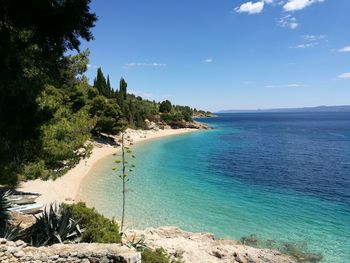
(54, 225)
(48, 109)
(97, 228)
(72, 223)
(155, 256)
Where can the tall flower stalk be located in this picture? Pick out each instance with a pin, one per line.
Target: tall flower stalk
(124, 170)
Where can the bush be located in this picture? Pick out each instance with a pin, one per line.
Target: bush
(154, 256)
(35, 170)
(97, 228)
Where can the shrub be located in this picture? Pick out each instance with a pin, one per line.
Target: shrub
(35, 170)
(97, 228)
(154, 256)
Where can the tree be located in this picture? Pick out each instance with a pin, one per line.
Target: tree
(165, 106)
(109, 117)
(100, 82)
(34, 36)
(109, 88)
(122, 89)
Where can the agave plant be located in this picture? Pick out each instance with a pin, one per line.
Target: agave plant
(139, 244)
(5, 204)
(12, 232)
(7, 230)
(55, 225)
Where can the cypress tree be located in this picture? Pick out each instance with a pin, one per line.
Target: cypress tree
(100, 83)
(109, 88)
(122, 89)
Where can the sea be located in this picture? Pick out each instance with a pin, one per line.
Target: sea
(282, 177)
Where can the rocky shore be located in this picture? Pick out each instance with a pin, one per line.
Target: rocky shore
(204, 248)
(187, 246)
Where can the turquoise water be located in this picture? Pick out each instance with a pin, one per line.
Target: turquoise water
(284, 177)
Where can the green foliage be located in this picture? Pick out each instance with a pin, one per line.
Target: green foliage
(34, 170)
(48, 111)
(109, 116)
(54, 225)
(122, 90)
(138, 244)
(12, 232)
(97, 228)
(32, 57)
(154, 256)
(4, 213)
(165, 106)
(102, 85)
(63, 136)
(6, 230)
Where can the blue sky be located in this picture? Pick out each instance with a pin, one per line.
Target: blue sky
(221, 54)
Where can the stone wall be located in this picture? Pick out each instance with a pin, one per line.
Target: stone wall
(19, 251)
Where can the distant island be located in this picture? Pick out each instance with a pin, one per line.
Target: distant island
(340, 108)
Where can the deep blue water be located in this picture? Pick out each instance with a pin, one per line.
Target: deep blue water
(308, 153)
(281, 176)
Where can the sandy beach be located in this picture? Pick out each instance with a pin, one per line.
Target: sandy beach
(66, 188)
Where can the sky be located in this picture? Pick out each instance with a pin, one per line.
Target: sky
(226, 54)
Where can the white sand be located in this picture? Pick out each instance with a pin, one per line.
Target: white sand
(66, 188)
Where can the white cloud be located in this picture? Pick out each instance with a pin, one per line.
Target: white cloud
(307, 45)
(142, 94)
(344, 49)
(292, 85)
(295, 5)
(345, 75)
(288, 21)
(268, 1)
(142, 64)
(312, 38)
(91, 66)
(208, 60)
(250, 7)
(310, 41)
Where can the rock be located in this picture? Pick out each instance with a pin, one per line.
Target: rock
(71, 253)
(203, 247)
(20, 243)
(19, 254)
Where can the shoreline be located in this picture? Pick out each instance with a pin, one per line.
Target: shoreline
(65, 189)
